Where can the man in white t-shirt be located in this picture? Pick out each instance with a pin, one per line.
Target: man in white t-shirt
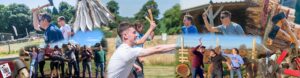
(121, 62)
(64, 28)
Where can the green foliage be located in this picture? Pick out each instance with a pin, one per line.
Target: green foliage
(15, 15)
(113, 7)
(171, 22)
(297, 13)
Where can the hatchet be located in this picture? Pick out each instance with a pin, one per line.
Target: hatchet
(149, 9)
(46, 5)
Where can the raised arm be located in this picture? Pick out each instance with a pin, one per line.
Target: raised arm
(209, 27)
(157, 50)
(35, 15)
(147, 34)
(35, 20)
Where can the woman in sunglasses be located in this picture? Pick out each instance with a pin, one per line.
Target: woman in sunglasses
(227, 27)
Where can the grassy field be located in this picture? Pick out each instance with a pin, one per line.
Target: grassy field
(14, 48)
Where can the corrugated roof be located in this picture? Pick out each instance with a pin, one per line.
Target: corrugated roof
(188, 4)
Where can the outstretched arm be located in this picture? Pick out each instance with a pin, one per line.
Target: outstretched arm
(224, 54)
(157, 50)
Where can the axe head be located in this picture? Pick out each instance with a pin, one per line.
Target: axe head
(51, 2)
(151, 7)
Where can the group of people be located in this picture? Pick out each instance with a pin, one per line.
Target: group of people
(69, 54)
(52, 34)
(215, 61)
(226, 28)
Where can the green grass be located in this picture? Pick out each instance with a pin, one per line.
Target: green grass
(151, 71)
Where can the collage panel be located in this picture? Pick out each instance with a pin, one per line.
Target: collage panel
(149, 39)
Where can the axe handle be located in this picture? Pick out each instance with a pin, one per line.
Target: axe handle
(150, 14)
(282, 56)
(147, 18)
(39, 8)
(292, 72)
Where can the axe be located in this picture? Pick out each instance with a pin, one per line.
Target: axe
(150, 11)
(46, 5)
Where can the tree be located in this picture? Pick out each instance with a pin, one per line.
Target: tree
(171, 21)
(113, 7)
(17, 15)
(297, 13)
(141, 14)
(4, 13)
(66, 10)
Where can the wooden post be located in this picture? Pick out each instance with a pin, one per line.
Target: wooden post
(254, 52)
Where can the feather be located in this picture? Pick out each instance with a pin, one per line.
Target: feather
(88, 20)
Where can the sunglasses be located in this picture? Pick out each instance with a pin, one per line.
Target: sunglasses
(222, 17)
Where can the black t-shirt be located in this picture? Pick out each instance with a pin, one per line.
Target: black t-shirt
(77, 54)
(217, 62)
(86, 55)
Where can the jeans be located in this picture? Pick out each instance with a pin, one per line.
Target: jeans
(197, 71)
(101, 66)
(216, 74)
(78, 66)
(41, 68)
(62, 69)
(237, 71)
(86, 65)
(74, 65)
(33, 69)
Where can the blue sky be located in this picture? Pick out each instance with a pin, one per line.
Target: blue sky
(224, 41)
(127, 7)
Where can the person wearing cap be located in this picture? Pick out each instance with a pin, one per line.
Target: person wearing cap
(197, 62)
(189, 27)
(43, 22)
(236, 62)
(64, 28)
(227, 27)
(100, 59)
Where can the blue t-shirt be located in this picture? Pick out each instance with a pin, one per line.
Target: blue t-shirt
(189, 30)
(232, 29)
(53, 34)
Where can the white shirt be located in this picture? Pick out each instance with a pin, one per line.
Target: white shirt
(65, 30)
(122, 61)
